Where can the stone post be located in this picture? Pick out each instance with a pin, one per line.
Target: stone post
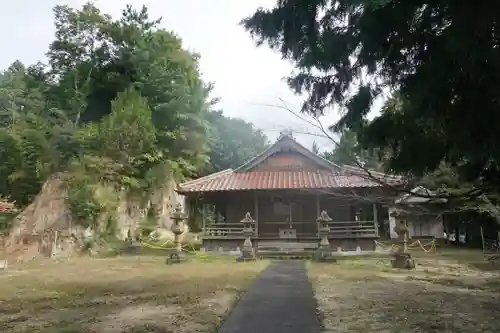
(178, 217)
(54, 242)
(402, 230)
(247, 252)
(402, 259)
(324, 252)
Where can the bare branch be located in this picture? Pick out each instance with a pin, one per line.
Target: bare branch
(397, 184)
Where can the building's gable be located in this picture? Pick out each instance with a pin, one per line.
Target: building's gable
(287, 154)
(288, 161)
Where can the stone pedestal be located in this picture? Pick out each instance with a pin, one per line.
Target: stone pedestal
(324, 252)
(176, 255)
(401, 258)
(247, 252)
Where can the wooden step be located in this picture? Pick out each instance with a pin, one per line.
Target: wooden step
(285, 255)
(287, 245)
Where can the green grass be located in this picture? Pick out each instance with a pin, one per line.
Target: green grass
(446, 292)
(128, 294)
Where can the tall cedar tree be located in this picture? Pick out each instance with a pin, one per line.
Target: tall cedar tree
(443, 57)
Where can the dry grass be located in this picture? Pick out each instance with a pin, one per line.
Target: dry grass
(446, 293)
(135, 294)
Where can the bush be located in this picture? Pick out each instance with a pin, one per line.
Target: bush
(82, 204)
(6, 221)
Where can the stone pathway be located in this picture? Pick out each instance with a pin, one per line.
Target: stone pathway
(279, 301)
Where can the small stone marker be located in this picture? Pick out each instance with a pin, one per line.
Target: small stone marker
(247, 253)
(402, 259)
(324, 253)
(176, 256)
(4, 264)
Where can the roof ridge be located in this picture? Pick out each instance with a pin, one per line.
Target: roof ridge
(301, 149)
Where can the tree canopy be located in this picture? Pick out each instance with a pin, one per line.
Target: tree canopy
(232, 142)
(348, 151)
(441, 57)
(119, 101)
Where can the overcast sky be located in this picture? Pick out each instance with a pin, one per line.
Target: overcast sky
(246, 77)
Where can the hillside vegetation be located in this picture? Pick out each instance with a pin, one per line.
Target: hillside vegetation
(118, 111)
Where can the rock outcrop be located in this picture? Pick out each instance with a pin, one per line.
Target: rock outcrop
(46, 227)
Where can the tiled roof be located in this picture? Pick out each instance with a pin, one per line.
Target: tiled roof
(245, 177)
(228, 180)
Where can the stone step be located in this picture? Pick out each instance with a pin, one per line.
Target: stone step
(285, 254)
(287, 245)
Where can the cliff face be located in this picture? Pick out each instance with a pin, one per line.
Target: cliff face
(166, 199)
(34, 231)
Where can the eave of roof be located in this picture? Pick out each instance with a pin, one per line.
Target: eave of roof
(420, 195)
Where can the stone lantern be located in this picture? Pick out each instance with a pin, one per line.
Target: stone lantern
(402, 259)
(402, 230)
(247, 252)
(324, 252)
(177, 228)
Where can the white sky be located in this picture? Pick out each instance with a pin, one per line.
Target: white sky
(245, 77)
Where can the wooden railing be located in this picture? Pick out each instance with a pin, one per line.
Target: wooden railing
(343, 229)
(224, 230)
(302, 229)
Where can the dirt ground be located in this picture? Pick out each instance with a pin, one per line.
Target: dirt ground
(448, 292)
(118, 295)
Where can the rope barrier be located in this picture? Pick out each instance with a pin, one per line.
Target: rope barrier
(188, 248)
(414, 245)
(185, 247)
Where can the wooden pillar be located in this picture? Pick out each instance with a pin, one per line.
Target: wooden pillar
(256, 213)
(375, 218)
(204, 217)
(318, 213)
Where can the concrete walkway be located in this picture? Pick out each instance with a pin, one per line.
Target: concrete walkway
(279, 301)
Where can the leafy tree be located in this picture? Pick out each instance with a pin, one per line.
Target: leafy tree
(119, 101)
(349, 152)
(232, 142)
(26, 136)
(128, 131)
(445, 72)
(95, 58)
